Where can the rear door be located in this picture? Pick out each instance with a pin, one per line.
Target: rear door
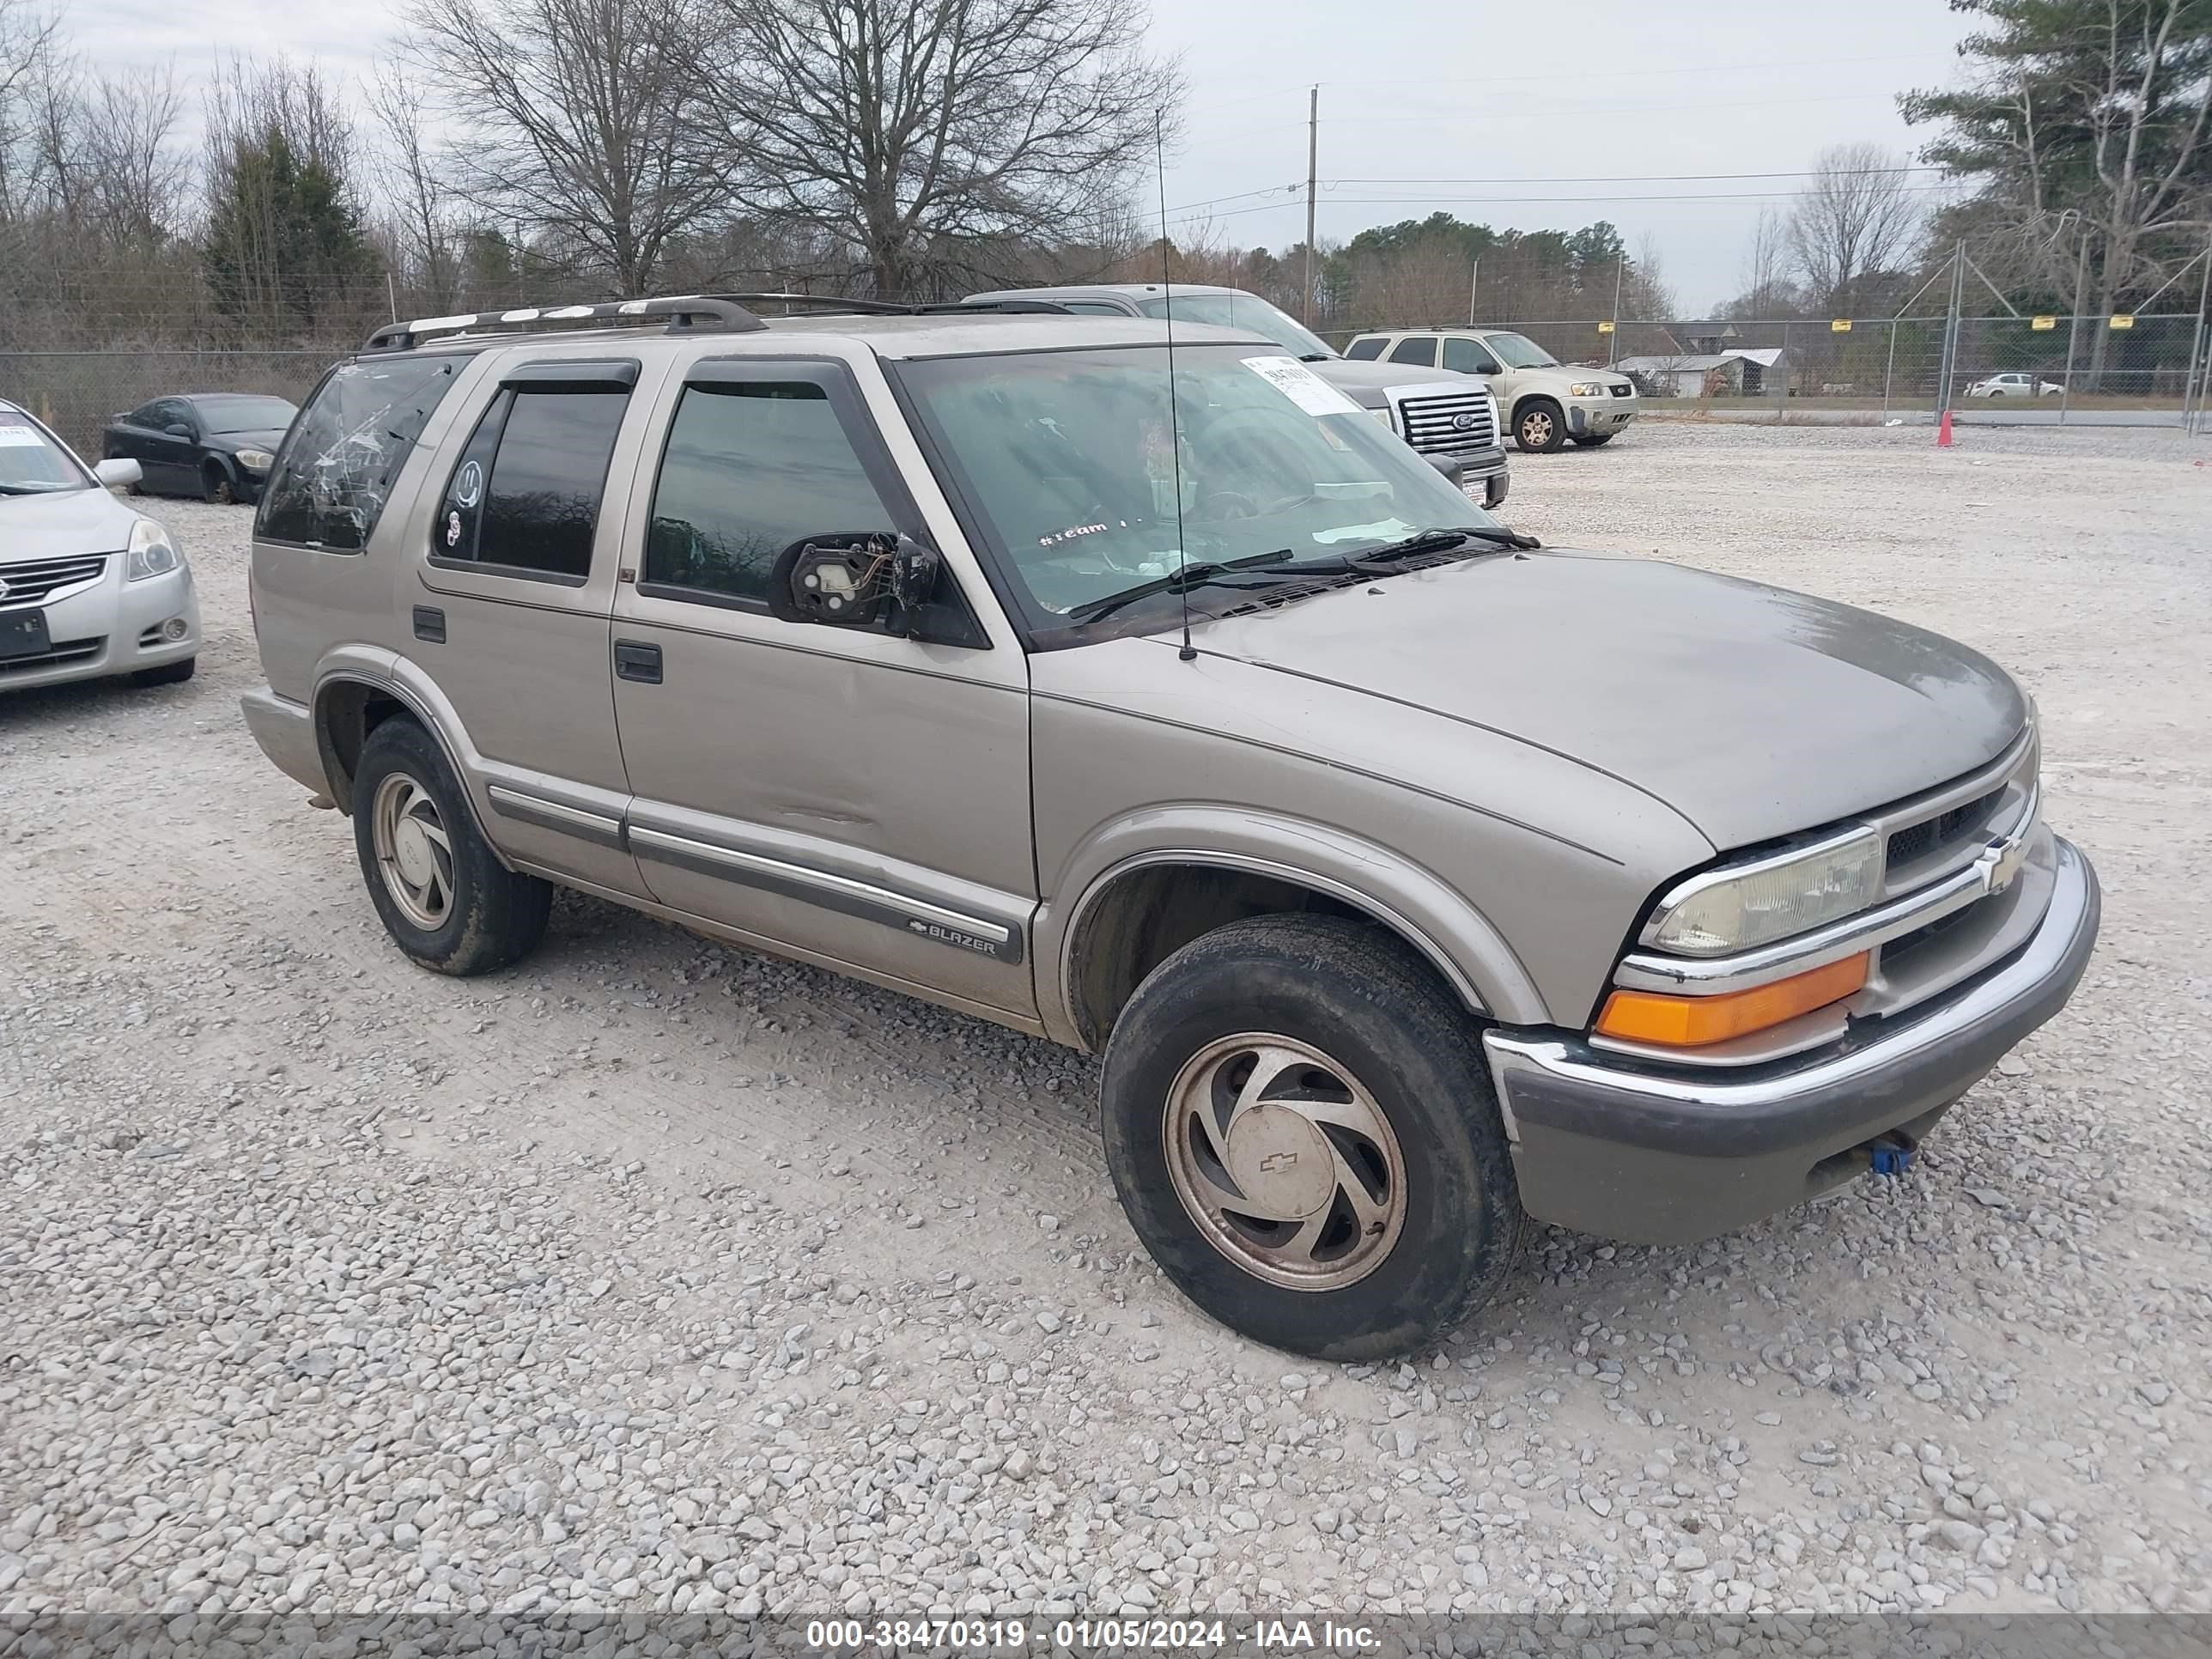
(852, 796)
(514, 578)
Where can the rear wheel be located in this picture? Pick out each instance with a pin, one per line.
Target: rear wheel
(1302, 1128)
(446, 899)
(1540, 426)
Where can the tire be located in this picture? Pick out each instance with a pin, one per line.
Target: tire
(1327, 1014)
(215, 485)
(170, 673)
(1595, 440)
(446, 898)
(1540, 426)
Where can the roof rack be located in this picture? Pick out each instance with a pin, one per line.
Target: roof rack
(687, 311)
(683, 311)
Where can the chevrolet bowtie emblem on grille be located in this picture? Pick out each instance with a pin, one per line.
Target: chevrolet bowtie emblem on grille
(1275, 1161)
(1462, 423)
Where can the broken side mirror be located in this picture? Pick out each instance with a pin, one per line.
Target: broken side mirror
(852, 580)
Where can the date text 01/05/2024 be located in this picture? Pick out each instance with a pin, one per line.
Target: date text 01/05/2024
(1271, 1635)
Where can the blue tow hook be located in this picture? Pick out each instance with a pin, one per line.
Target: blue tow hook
(1890, 1158)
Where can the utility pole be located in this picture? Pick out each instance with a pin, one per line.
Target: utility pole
(1313, 168)
(2073, 327)
(1473, 281)
(1620, 277)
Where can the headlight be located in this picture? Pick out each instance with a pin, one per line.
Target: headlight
(1383, 415)
(152, 552)
(1730, 910)
(256, 460)
(1587, 389)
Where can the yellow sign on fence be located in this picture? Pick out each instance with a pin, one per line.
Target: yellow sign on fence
(2042, 325)
(1605, 328)
(2123, 321)
(1840, 326)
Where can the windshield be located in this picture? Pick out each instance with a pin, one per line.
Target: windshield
(246, 414)
(1068, 456)
(31, 463)
(1239, 310)
(1519, 351)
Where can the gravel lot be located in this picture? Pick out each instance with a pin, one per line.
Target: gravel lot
(657, 1275)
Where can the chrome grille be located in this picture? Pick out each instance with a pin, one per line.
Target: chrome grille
(1432, 424)
(1917, 841)
(38, 580)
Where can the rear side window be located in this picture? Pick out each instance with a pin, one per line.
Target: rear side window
(524, 495)
(344, 454)
(1417, 350)
(750, 468)
(1363, 349)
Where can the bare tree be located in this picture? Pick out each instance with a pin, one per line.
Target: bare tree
(1858, 216)
(30, 48)
(587, 121)
(932, 136)
(1765, 275)
(417, 199)
(136, 171)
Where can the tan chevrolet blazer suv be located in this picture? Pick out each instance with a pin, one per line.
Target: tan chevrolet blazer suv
(1410, 880)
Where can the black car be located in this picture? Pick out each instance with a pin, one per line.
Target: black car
(215, 444)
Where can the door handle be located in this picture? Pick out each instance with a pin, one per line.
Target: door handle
(635, 660)
(430, 623)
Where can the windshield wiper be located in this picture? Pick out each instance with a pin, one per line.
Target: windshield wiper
(1205, 573)
(1443, 541)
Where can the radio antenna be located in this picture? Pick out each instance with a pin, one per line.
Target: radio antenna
(1189, 652)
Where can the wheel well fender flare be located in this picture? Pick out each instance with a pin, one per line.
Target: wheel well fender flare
(1440, 924)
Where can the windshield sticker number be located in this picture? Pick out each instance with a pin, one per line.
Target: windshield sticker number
(1302, 385)
(21, 437)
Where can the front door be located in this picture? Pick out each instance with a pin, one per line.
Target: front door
(852, 796)
(507, 616)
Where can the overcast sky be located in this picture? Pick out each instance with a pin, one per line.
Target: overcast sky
(1412, 91)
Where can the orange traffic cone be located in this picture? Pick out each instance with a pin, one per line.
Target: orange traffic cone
(1943, 432)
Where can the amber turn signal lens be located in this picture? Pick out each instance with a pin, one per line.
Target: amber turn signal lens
(1694, 1022)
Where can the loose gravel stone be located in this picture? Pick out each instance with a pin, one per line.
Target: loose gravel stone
(604, 1283)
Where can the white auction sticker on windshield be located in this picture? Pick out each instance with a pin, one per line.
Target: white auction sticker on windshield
(1302, 385)
(21, 437)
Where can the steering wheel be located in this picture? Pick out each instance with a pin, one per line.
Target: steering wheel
(1227, 504)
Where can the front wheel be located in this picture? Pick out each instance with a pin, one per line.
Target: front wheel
(1303, 1131)
(216, 487)
(446, 898)
(1540, 426)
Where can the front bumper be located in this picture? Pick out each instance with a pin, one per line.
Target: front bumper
(1590, 417)
(1650, 1156)
(111, 627)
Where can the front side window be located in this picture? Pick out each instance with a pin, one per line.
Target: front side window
(31, 462)
(1420, 350)
(338, 468)
(750, 468)
(1366, 351)
(1072, 459)
(1467, 357)
(1519, 351)
(524, 498)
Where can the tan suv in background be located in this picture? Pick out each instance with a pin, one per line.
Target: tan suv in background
(1408, 879)
(1546, 403)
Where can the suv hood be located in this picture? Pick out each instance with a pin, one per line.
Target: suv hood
(1751, 711)
(1365, 382)
(68, 521)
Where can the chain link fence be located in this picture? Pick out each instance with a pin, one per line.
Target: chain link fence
(78, 392)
